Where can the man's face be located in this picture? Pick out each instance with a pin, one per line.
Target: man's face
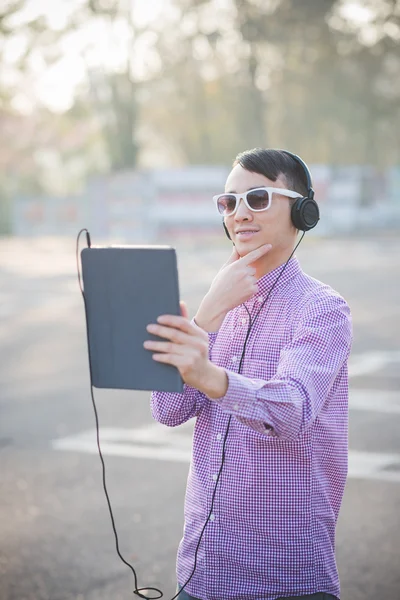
(272, 226)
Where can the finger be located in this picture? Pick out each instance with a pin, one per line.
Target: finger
(181, 323)
(170, 333)
(171, 359)
(178, 361)
(184, 309)
(164, 358)
(255, 254)
(165, 347)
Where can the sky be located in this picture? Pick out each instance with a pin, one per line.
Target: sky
(94, 46)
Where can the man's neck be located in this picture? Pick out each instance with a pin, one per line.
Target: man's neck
(267, 264)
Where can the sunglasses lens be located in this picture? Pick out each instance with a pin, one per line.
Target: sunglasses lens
(258, 199)
(226, 204)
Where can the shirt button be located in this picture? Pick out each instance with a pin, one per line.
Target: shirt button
(244, 321)
(234, 359)
(236, 407)
(212, 517)
(219, 436)
(215, 477)
(260, 299)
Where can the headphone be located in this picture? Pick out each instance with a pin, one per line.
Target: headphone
(305, 211)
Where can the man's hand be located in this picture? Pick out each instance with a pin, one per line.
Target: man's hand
(234, 284)
(187, 349)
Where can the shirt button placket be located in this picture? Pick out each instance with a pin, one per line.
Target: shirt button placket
(235, 350)
(215, 466)
(237, 340)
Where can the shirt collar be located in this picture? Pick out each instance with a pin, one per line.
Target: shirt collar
(267, 281)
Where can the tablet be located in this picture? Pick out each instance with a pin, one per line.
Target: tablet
(125, 289)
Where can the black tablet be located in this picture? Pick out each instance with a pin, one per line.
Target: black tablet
(125, 289)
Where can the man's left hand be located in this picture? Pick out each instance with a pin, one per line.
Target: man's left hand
(187, 350)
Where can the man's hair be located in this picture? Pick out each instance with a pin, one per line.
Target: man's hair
(272, 163)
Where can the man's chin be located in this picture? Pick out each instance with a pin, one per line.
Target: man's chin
(244, 248)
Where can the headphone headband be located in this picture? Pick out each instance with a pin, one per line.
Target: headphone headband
(300, 161)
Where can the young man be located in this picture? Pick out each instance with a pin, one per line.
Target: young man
(276, 417)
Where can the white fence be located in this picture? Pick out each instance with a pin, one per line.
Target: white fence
(139, 206)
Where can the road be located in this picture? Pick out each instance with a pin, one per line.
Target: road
(56, 539)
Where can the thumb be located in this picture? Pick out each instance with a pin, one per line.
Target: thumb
(184, 309)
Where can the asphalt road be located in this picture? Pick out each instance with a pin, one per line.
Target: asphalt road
(56, 539)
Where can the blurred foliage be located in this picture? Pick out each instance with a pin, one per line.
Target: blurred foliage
(202, 82)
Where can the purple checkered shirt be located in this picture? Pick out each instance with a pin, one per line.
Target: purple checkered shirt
(272, 528)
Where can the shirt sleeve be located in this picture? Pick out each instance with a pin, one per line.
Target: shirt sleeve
(287, 405)
(173, 409)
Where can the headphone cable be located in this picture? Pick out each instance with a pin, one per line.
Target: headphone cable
(138, 591)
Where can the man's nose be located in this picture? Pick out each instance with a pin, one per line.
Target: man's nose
(242, 210)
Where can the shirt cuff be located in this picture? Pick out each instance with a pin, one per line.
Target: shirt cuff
(212, 336)
(241, 400)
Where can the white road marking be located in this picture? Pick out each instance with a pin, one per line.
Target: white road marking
(371, 465)
(157, 442)
(125, 450)
(371, 362)
(382, 401)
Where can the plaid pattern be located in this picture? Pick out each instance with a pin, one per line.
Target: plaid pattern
(271, 533)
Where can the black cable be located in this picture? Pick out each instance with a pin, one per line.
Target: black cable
(230, 416)
(251, 323)
(137, 590)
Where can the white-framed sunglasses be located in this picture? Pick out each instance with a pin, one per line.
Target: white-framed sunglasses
(256, 200)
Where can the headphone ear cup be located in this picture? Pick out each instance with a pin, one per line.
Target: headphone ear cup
(305, 213)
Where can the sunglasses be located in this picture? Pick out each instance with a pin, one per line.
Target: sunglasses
(256, 200)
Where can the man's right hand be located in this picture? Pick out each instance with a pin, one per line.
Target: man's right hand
(234, 284)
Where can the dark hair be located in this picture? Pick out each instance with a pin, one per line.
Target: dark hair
(272, 163)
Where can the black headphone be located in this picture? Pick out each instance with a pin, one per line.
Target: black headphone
(305, 211)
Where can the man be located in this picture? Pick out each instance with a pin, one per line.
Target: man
(279, 426)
